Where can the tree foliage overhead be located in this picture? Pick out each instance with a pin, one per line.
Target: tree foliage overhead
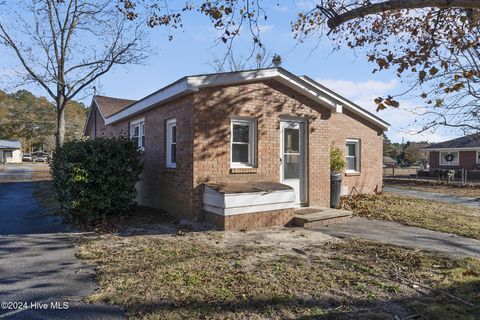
(31, 119)
(434, 44)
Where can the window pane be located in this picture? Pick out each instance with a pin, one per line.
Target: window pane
(174, 134)
(143, 141)
(135, 141)
(136, 130)
(291, 166)
(241, 133)
(173, 153)
(240, 153)
(291, 140)
(351, 163)
(351, 149)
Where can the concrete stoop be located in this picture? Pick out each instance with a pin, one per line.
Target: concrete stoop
(314, 217)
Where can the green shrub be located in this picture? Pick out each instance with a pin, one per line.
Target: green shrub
(95, 178)
(337, 162)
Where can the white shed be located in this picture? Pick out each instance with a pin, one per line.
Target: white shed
(10, 151)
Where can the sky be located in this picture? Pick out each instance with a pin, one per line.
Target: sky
(193, 50)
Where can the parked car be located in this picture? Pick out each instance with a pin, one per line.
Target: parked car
(40, 156)
(27, 157)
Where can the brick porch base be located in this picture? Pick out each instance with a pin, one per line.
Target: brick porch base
(250, 221)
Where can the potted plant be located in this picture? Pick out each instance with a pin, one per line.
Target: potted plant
(337, 164)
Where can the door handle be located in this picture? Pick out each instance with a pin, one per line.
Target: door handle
(280, 159)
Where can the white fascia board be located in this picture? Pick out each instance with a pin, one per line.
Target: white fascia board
(451, 149)
(348, 104)
(176, 89)
(282, 76)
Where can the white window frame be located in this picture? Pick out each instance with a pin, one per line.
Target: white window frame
(357, 155)
(477, 157)
(170, 123)
(442, 161)
(252, 137)
(140, 123)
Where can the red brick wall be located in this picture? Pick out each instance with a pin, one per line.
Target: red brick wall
(467, 160)
(161, 187)
(348, 125)
(268, 102)
(203, 144)
(433, 159)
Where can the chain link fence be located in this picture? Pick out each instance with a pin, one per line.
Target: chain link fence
(458, 175)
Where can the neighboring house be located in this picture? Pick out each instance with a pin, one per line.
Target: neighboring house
(10, 151)
(389, 162)
(100, 109)
(460, 153)
(243, 149)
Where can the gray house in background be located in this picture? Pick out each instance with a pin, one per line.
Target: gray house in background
(10, 151)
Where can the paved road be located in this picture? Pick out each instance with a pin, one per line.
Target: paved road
(401, 235)
(38, 264)
(465, 201)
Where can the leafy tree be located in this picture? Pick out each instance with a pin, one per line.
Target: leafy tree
(431, 43)
(413, 153)
(66, 45)
(32, 120)
(390, 149)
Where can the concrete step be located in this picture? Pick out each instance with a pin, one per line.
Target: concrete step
(311, 217)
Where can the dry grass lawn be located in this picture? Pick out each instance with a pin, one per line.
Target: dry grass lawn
(471, 191)
(294, 274)
(438, 216)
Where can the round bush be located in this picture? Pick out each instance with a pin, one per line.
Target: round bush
(95, 178)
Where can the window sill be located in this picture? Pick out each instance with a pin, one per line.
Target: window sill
(352, 173)
(243, 170)
(170, 170)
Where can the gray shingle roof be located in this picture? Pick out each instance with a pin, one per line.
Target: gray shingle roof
(8, 144)
(470, 141)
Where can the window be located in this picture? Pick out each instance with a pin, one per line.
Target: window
(137, 133)
(171, 143)
(8, 154)
(478, 157)
(449, 158)
(242, 143)
(352, 155)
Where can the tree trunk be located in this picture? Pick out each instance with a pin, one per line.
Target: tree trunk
(60, 133)
(389, 5)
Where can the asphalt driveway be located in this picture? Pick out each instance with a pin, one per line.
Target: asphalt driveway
(405, 236)
(464, 201)
(38, 267)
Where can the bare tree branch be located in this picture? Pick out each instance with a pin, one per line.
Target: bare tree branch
(374, 8)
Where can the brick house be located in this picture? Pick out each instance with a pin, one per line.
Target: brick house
(243, 149)
(459, 153)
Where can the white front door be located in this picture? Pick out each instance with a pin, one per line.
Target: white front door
(292, 158)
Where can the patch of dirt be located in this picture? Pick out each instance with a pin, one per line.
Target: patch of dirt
(220, 275)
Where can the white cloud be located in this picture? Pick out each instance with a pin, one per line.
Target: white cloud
(265, 28)
(280, 8)
(402, 120)
(358, 90)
